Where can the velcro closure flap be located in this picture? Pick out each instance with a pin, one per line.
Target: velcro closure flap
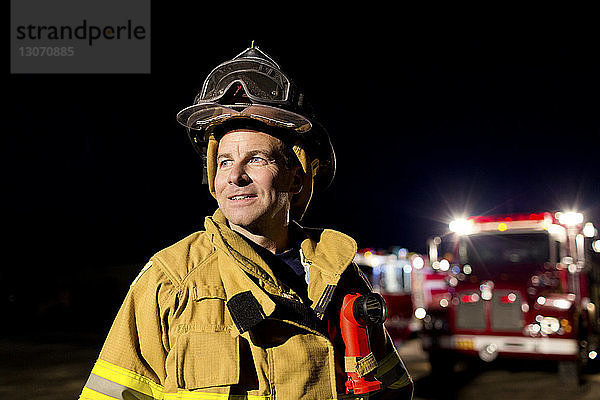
(360, 365)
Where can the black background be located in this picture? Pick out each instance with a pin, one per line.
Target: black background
(431, 118)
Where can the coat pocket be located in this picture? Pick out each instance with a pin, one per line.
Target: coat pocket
(206, 359)
(208, 306)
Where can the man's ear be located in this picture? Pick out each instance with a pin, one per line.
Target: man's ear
(297, 180)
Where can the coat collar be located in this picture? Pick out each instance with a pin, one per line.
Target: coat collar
(326, 252)
(331, 251)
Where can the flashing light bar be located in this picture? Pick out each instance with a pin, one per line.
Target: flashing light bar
(465, 226)
(512, 217)
(569, 218)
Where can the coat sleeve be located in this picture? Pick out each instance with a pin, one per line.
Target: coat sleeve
(390, 371)
(131, 363)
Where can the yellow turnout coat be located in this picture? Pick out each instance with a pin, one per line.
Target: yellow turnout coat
(208, 319)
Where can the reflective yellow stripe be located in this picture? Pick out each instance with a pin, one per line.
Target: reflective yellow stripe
(128, 378)
(184, 395)
(387, 363)
(400, 383)
(89, 394)
(146, 386)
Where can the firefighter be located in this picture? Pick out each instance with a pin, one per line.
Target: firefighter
(248, 308)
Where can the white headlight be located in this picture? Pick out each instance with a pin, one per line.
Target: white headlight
(420, 313)
(562, 304)
(570, 218)
(461, 226)
(444, 265)
(549, 325)
(418, 262)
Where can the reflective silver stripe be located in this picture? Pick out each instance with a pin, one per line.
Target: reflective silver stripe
(114, 390)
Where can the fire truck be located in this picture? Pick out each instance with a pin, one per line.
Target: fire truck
(519, 285)
(407, 283)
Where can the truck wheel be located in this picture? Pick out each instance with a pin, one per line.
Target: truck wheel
(570, 372)
(442, 363)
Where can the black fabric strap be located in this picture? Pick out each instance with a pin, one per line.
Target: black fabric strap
(245, 311)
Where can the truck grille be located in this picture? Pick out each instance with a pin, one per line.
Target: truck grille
(471, 314)
(504, 310)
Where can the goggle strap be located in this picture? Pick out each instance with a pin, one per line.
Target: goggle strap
(314, 166)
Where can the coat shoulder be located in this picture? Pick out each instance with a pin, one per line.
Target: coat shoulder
(181, 258)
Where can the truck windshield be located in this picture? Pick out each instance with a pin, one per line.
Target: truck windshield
(393, 277)
(515, 248)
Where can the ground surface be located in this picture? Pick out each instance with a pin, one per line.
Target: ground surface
(56, 367)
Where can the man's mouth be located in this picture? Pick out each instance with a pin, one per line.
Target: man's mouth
(242, 197)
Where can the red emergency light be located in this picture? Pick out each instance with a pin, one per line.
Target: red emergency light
(469, 298)
(365, 250)
(512, 217)
(509, 298)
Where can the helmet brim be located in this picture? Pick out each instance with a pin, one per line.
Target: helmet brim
(203, 115)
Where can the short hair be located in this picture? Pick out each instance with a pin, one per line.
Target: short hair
(286, 136)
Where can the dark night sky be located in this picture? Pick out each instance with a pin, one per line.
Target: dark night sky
(426, 122)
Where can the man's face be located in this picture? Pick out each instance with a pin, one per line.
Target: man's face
(253, 185)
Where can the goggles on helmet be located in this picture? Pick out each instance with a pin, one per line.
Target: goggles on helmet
(204, 115)
(262, 81)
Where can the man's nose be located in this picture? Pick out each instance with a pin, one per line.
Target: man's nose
(238, 175)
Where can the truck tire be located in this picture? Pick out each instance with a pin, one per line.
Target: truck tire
(570, 372)
(442, 363)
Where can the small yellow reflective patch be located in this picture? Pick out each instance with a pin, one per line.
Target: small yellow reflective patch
(465, 344)
(148, 265)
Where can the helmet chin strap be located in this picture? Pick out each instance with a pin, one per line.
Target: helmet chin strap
(301, 201)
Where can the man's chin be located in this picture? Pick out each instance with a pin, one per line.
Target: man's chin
(242, 220)
(254, 222)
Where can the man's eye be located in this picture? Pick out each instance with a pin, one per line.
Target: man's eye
(225, 163)
(257, 160)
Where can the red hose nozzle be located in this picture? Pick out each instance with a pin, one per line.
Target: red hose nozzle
(359, 311)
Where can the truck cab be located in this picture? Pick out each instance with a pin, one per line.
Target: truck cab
(519, 285)
(392, 274)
